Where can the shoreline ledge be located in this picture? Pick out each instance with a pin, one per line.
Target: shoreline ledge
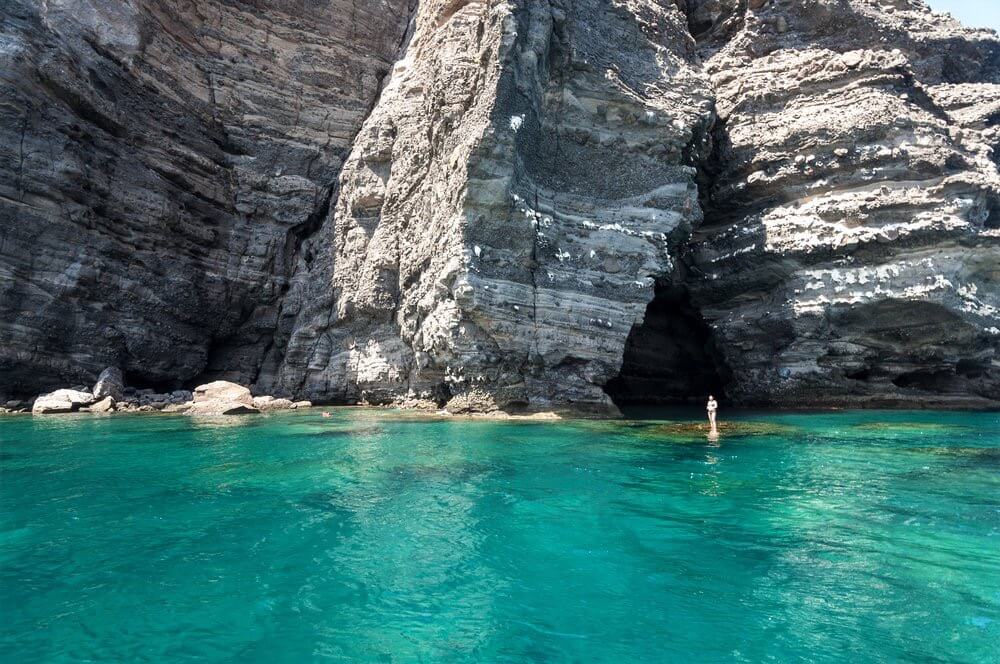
(111, 395)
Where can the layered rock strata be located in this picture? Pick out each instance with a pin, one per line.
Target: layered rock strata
(505, 210)
(851, 250)
(505, 220)
(160, 162)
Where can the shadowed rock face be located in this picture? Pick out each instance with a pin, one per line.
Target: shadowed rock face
(470, 204)
(159, 163)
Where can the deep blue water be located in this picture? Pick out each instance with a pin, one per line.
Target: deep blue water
(376, 537)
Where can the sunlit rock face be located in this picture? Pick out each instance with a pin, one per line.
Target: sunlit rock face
(851, 249)
(500, 205)
(526, 174)
(159, 163)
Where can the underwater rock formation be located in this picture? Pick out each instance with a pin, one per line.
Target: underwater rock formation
(502, 205)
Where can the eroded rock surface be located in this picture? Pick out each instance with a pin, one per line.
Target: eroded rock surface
(522, 180)
(159, 163)
(62, 401)
(851, 250)
(228, 190)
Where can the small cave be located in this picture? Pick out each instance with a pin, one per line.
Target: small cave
(671, 358)
(142, 381)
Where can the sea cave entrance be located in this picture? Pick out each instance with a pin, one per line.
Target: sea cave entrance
(671, 358)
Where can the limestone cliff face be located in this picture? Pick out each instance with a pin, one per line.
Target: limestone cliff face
(159, 163)
(495, 205)
(524, 178)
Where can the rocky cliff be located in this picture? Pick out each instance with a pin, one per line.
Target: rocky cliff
(502, 205)
(160, 162)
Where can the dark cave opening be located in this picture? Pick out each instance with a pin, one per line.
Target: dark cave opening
(671, 358)
(141, 381)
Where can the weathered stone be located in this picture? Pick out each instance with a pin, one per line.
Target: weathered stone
(499, 206)
(873, 278)
(105, 405)
(466, 249)
(111, 383)
(268, 403)
(219, 407)
(221, 390)
(61, 401)
(160, 163)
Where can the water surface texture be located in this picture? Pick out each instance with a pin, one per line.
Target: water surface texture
(375, 537)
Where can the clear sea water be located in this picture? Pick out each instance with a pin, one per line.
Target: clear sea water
(379, 537)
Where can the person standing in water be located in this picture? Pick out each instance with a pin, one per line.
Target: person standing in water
(712, 407)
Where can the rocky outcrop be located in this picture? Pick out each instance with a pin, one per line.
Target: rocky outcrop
(110, 383)
(215, 398)
(61, 401)
(105, 405)
(518, 205)
(524, 176)
(160, 162)
(851, 250)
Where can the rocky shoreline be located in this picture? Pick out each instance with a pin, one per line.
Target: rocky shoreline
(110, 395)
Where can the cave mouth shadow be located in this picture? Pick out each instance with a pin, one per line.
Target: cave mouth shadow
(671, 358)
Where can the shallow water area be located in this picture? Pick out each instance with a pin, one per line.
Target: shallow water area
(382, 537)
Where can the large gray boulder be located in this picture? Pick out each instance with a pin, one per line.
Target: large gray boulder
(111, 383)
(61, 401)
(105, 405)
(222, 390)
(221, 398)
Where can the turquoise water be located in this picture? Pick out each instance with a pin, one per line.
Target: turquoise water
(374, 537)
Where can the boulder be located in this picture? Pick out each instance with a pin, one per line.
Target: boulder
(105, 405)
(220, 407)
(302, 404)
(222, 390)
(62, 401)
(110, 383)
(267, 403)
